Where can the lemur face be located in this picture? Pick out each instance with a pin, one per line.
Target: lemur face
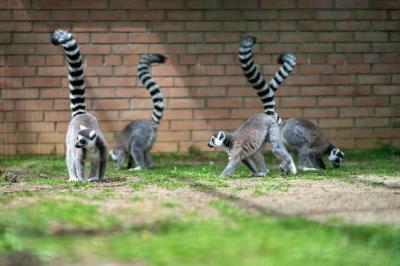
(117, 155)
(86, 138)
(217, 140)
(336, 157)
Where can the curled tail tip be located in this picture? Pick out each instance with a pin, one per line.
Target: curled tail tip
(286, 57)
(154, 58)
(249, 40)
(60, 36)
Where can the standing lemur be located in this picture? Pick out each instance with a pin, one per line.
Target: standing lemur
(138, 137)
(298, 135)
(247, 142)
(84, 141)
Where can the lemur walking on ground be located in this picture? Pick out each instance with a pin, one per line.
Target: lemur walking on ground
(84, 141)
(137, 138)
(298, 135)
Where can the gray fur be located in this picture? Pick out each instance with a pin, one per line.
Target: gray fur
(136, 140)
(310, 143)
(84, 140)
(247, 142)
(299, 135)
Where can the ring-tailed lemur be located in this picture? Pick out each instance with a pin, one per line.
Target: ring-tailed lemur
(247, 142)
(138, 137)
(298, 135)
(84, 141)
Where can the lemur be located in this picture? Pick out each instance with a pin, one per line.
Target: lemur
(84, 141)
(298, 135)
(138, 137)
(247, 142)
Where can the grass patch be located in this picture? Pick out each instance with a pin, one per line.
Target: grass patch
(65, 222)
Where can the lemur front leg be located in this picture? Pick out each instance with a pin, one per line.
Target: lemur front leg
(304, 156)
(94, 170)
(278, 149)
(259, 158)
(131, 162)
(80, 170)
(250, 164)
(230, 168)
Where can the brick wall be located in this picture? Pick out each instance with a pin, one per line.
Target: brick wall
(347, 78)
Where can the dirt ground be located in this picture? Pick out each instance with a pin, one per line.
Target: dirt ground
(368, 199)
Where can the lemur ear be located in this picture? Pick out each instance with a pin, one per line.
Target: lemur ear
(92, 134)
(221, 135)
(82, 127)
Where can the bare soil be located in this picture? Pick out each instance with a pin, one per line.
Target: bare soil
(368, 199)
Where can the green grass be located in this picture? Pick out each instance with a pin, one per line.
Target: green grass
(57, 221)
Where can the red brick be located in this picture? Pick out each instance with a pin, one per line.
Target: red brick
(372, 122)
(224, 102)
(188, 125)
(335, 36)
(298, 101)
(8, 149)
(352, 26)
(202, 4)
(315, 4)
(35, 127)
(10, 4)
(337, 79)
(113, 104)
(165, 147)
(353, 4)
(334, 15)
(132, 4)
(18, 116)
(356, 112)
(371, 101)
(37, 149)
(385, 4)
(319, 112)
(387, 90)
(184, 15)
(225, 124)
(248, 15)
(374, 79)
(186, 103)
(317, 90)
(335, 101)
(19, 93)
(74, 15)
(34, 105)
(336, 123)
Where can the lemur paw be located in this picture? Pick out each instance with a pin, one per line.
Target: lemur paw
(288, 168)
(259, 174)
(74, 179)
(137, 168)
(305, 169)
(93, 179)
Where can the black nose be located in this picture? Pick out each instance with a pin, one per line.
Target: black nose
(77, 145)
(209, 145)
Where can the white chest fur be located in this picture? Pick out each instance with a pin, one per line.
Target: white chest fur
(92, 155)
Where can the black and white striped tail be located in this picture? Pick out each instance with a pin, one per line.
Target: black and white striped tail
(75, 69)
(265, 91)
(151, 86)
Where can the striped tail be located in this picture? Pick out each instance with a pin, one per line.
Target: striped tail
(265, 91)
(151, 86)
(75, 68)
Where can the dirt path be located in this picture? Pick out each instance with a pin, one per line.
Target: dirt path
(368, 199)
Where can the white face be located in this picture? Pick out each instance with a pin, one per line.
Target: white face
(86, 138)
(336, 157)
(217, 141)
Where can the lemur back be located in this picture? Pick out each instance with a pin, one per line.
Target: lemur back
(84, 140)
(136, 140)
(298, 135)
(246, 145)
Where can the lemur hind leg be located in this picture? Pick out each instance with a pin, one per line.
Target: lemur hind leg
(71, 169)
(304, 155)
(278, 149)
(148, 159)
(260, 161)
(317, 161)
(131, 162)
(102, 168)
(230, 168)
(250, 164)
(94, 170)
(138, 155)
